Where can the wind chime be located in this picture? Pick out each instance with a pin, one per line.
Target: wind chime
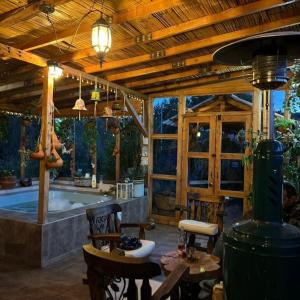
(95, 96)
(79, 104)
(107, 111)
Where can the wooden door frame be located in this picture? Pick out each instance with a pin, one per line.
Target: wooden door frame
(244, 116)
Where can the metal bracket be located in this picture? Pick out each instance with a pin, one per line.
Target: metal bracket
(143, 38)
(178, 64)
(158, 54)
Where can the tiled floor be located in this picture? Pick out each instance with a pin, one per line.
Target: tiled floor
(63, 280)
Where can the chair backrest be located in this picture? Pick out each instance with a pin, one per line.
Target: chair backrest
(103, 220)
(112, 276)
(208, 209)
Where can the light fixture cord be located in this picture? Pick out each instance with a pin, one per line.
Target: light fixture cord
(80, 86)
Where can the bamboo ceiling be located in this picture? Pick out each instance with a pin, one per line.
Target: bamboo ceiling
(186, 31)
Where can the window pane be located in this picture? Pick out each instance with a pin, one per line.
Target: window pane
(232, 175)
(164, 157)
(165, 115)
(233, 137)
(198, 172)
(194, 102)
(164, 197)
(199, 137)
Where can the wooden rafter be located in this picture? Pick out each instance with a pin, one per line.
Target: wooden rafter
(194, 82)
(198, 23)
(25, 12)
(159, 68)
(138, 12)
(196, 45)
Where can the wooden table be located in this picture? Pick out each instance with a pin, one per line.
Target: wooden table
(205, 266)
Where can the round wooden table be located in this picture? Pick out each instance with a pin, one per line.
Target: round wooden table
(204, 266)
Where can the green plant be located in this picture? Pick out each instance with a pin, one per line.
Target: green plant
(137, 172)
(291, 162)
(284, 123)
(4, 123)
(90, 135)
(251, 145)
(293, 97)
(7, 173)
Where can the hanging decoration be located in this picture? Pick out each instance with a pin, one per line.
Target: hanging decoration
(124, 109)
(79, 104)
(95, 96)
(116, 105)
(107, 111)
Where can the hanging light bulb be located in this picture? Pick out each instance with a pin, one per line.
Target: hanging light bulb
(79, 104)
(101, 38)
(54, 70)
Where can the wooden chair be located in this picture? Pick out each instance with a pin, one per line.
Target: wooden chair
(105, 230)
(204, 217)
(112, 276)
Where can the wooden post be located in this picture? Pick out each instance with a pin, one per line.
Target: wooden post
(181, 194)
(47, 109)
(22, 149)
(287, 112)
(118, 161)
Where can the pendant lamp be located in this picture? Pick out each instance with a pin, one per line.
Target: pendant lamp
(79, 104)
(101, 38)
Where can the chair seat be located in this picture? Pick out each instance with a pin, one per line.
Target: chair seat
(198, 227)
(144, 251)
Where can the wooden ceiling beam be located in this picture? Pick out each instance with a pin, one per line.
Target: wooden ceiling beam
(193, 82)
(42, 62)
(194, 24)
(194, 72)
(25, 12)
(22, 55)
(199, 44)
(159, 68)
(138, 12)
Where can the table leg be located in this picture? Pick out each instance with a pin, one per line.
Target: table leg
(189, 290)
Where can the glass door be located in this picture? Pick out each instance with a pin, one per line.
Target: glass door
(231, 134)
(199, 155)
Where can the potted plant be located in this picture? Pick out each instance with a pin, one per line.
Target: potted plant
(137, 175)
(80, 180)
(283, 125)
(7, 179)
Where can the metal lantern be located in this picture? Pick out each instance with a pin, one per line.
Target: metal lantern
(54, 70)
(79, 104)
(101, 38)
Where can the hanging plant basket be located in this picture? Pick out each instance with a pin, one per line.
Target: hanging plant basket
(38, 154)
(54, 161)
(55, 141)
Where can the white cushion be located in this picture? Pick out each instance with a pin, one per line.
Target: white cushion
(145, 250)
(198, 227)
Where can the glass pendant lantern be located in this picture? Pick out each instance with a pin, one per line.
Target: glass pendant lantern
(54, 70)
(101, 38)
